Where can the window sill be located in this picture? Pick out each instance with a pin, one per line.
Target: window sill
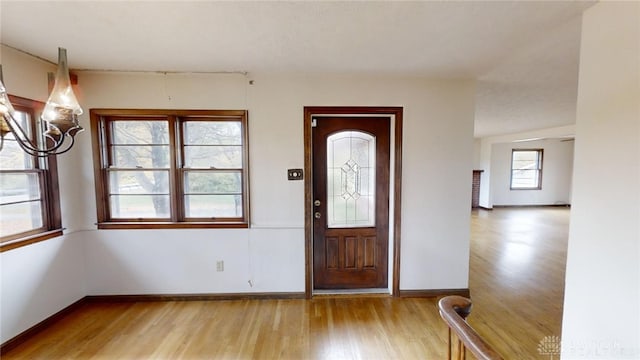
(170, 225)
(18, 243)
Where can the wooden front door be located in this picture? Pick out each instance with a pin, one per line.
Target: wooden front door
(350, 202)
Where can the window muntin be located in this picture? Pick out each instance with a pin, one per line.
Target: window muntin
(526, 169)
(187, 167)
(28, 197)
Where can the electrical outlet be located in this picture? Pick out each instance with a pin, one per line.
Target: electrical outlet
(220, 266)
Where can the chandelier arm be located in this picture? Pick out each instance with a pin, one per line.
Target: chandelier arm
(71, 142)
(18, 132)
(29, 151)
(57, 144)
(27, 144)
(50, 151)
(68, 134)
(43, 154)
(19, 135)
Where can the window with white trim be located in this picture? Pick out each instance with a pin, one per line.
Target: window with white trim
(526, 169)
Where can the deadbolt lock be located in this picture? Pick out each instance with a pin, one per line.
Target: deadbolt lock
(317, 203)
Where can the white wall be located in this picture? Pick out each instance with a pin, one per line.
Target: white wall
(602, 293)
(485, 200)
(184, 261)
(39, 280)
(477, 148)
(438, 143)
(557, 167)
(438, 146)
(486, 149)
(43, 278)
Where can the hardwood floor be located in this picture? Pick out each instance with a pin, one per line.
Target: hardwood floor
(322, 328)
(516, 280)
(517, 262)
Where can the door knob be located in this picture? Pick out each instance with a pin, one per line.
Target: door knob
(317, 215)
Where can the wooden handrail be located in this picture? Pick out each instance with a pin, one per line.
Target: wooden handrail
(454, 311)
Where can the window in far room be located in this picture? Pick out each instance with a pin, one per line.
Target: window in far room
(171, 168)
(526, 169)
(29, 199)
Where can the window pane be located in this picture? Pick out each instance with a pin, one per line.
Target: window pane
(217, 157)
(140, 132)
(524, 164)
(524, 179)
(173, 166)
(21, 217)
(210, 182)
(24, 206)
(139, 182)
(213, 133)
(211, 206)
(140, 206)
(526, 168)
(525, 159)
(141, 156)
(351, 160)
(19, 187)
(12, 157)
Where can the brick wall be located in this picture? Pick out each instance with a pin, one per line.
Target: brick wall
(475, 189)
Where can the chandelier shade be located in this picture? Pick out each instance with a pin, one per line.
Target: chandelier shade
(60, 116)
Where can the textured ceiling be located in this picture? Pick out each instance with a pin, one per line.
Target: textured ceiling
(525, 54)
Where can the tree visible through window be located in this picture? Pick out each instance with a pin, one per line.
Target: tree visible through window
(171, 167)
(526, 169)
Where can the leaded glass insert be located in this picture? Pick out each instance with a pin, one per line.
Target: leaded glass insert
(351, 159)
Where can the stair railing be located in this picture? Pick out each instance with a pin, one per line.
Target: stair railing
(454, 311)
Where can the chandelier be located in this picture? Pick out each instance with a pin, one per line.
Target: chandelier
(60, 115)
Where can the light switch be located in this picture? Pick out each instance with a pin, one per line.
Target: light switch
(295, 174)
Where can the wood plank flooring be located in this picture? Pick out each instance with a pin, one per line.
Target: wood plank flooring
(518, 258)
(516, 280)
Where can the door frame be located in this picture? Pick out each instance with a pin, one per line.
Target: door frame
(396, 173)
